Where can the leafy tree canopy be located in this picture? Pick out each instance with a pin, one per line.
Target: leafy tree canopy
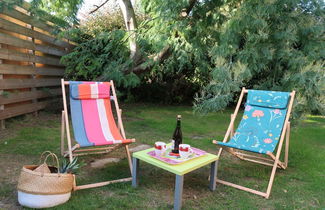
(214, 48)
(64, 9)
(63, 13)
(162, 26)
(271, 45)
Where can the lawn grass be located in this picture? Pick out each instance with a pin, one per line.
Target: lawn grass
(301, 186)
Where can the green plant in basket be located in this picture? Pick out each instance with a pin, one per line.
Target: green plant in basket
(70, 167)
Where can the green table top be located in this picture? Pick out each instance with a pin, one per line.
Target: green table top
(179, 169)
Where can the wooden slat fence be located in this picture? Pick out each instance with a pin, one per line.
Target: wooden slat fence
(30, 68)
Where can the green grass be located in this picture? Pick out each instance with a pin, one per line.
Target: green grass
(301, 186)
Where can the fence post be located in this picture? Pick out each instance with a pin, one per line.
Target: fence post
(32, 63)
(2, 122)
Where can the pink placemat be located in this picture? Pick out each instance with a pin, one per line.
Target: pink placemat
(172, 160)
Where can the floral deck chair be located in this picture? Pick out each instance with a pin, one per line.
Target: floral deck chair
(261, 131)
(93, 122)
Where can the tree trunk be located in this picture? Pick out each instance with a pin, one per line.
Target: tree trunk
(139, 65)
(131, 26)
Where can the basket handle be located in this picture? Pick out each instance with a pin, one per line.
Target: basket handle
(42, 156)
(54, 159)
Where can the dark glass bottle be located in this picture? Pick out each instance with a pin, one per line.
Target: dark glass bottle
(177, 136)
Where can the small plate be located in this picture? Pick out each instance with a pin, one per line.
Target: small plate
(174, 160)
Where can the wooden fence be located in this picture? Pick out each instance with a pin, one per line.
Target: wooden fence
(30, 68)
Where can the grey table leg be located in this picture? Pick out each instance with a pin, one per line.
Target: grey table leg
(178, 192)
(213, 175)
(135, 171)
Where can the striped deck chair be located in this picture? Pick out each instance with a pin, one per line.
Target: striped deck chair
(263, 127)
(94, 127)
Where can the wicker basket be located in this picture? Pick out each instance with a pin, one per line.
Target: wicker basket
(41, 190)
(44, 183)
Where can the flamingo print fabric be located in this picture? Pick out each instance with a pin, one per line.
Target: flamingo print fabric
(262, 123)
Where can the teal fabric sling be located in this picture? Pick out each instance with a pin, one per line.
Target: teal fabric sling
(262, 123)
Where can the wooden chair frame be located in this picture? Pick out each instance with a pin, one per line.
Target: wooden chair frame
(271, 160)
(76, 151)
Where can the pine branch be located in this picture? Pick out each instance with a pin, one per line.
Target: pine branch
(98, 7)
(159, 57)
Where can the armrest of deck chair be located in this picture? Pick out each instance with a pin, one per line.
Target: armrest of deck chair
(228, 149)
(132, 140)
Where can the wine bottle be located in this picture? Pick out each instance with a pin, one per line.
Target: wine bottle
(177, 136)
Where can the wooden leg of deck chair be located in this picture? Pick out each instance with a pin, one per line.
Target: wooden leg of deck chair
(62, 134)
(259, 162)
(93, 151)
(286, 154)
(74, 183)
(253, 156)
(233, 117)
(239, 186)
(97, 149)
(280, 163)
(242, 188)
(232, 126)
(284, 130)
(269, 187)
(66, 119)
(276, 161)
(231, 151)
(129, 157)
(119, 124)
(66, 153)
(89, 153)
(244, 156)
(241, 156)
(220, 151)
(69, 144)
(118, 111)
(100, 184)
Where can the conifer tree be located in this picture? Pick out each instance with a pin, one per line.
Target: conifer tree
(270, 45)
